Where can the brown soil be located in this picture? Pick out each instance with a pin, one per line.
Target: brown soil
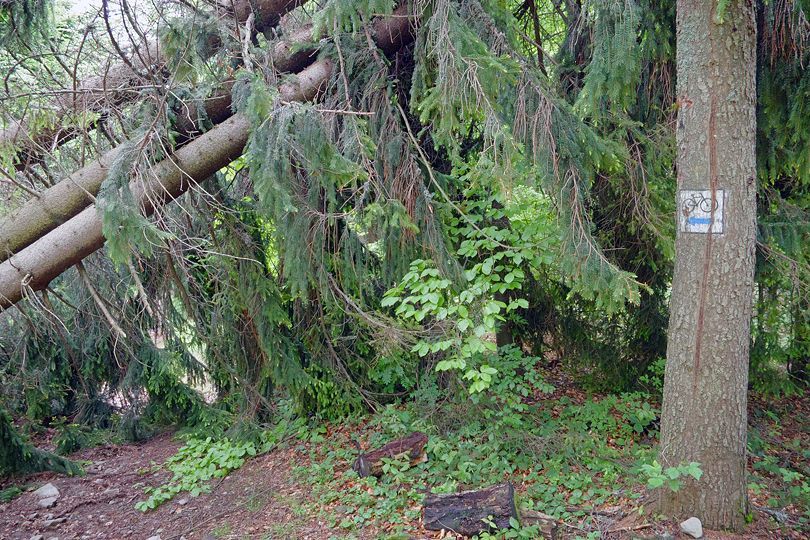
(260, 500)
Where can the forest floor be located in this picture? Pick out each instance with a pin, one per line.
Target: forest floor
(301, 489)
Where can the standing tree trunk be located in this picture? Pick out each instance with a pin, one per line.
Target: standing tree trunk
(704, 410)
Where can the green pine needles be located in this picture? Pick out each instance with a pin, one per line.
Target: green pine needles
(18, 456)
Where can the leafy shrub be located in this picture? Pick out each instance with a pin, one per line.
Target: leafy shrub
(670, 477)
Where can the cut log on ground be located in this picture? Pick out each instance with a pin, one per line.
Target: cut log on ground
(471, 512)
(411, 447)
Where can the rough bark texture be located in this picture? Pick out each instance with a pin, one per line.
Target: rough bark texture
(465, 512)
(704, 410)
(411, 447)
(267, 13)
(67, 198)
(35, 266)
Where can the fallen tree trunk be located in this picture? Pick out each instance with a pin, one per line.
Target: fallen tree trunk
(411, 447)
(471, 512)
(36, 266)
(58, 204)
(113, 87)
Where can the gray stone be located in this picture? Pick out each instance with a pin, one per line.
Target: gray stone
(112, 492)
(183, 501)
(37, 537)
(47, 491)
(57, 521)
(156, 537)
(692, 527)
(47, 503)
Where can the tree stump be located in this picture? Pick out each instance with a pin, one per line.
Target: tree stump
(411, 447)
(465, 512)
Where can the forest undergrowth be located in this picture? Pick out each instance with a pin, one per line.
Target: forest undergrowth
(584, 458)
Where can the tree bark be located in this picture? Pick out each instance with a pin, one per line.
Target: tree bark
(704, 409)
(35, 266)
(465, 512)
(67, 198)
(411, 447)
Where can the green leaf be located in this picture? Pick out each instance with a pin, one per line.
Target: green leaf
(655, 482)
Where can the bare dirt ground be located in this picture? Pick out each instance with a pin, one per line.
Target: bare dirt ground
(260, 500)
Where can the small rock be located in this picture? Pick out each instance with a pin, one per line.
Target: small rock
(156, 537)
(47, 491)
(182, 502)
(37, 537)
(47, 503)
(112, 492)
(692, 527)
(52, 522)
(108, 523)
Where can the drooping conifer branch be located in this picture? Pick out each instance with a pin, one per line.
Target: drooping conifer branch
(113, 88)
(64, 200)
(35, 266)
